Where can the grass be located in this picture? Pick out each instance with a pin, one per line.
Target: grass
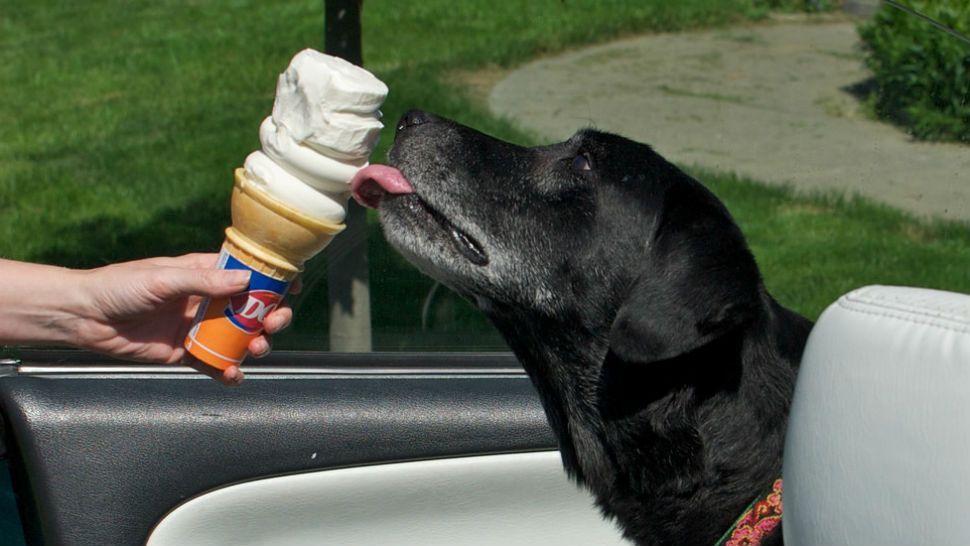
(125, 118)
(813, 248)
(121, 122)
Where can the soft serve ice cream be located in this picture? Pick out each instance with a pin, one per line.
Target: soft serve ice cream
(325, 123)
(289, 199)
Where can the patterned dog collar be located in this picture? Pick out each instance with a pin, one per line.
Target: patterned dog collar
(759, 520)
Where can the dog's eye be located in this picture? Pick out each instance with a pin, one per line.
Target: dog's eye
(581, 162)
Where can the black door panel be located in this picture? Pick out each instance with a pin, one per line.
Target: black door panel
(103, 450)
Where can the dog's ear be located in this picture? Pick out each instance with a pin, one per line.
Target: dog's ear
(663, 317)
(693, 290)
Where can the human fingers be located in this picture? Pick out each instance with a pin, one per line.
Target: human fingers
(259, 346)
(170, 283)
(282, 316)
(230, 377)
(196, 260)
(278, 319)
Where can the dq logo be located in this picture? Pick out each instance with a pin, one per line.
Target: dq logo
(247, 310)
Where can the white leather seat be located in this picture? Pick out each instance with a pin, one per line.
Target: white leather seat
(878, 446)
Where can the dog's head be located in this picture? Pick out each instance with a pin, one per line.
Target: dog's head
(597, 231)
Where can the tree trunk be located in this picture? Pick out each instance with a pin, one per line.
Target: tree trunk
(348, 278)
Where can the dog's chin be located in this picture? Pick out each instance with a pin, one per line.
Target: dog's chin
(430, 240)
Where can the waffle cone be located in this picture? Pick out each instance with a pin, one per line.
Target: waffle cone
(271, 236)
(273, 240)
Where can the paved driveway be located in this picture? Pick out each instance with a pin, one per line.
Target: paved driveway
(769, 101)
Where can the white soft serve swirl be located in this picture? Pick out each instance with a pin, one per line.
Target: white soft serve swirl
(325, 123)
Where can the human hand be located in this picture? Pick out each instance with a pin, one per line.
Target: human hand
(142, 310)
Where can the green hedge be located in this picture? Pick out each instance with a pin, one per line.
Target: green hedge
(922, 73)
(796, 5)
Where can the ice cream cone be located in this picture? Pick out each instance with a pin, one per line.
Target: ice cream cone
(271, 239)
(289, 199)
(274, 233)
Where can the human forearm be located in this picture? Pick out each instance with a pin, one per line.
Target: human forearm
(39, 303)
(139, 310)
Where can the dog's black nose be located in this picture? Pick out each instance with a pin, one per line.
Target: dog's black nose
(413, 119)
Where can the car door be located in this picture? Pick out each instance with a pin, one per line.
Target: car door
(314, 448)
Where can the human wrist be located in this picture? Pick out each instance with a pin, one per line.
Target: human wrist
(41, 304)
(73, 307)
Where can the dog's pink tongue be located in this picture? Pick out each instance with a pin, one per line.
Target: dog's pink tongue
(374, 182)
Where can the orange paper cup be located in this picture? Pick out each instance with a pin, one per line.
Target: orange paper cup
(224, 327)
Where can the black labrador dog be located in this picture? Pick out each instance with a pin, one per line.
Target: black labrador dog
(629, 295)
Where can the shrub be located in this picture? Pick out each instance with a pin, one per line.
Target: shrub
(796, 5)
(922, 73)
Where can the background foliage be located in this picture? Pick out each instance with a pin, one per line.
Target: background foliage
(121, 122)
(922, 74)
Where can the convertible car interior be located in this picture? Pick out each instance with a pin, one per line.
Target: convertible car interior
(435, 448)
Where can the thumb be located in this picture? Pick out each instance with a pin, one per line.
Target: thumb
(211, 283)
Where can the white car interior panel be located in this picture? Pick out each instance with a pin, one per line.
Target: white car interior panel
(878, 446)
(514, 499)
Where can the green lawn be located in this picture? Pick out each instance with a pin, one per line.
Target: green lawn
(813, 248)
(121, 122)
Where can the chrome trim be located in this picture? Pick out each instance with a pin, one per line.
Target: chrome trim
(270, 371)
